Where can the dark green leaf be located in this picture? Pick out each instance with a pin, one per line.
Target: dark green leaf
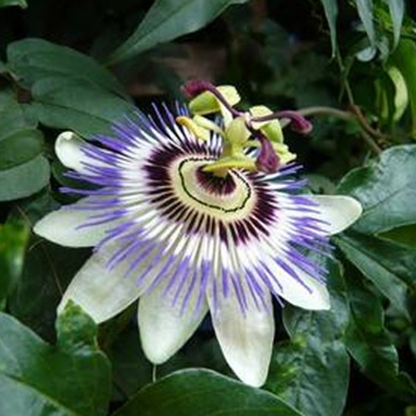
(21, 3)
(47, 271)
(365, 11)
(331, 13)
(386, 189)
(20, 147)
(397, 8)
(33, 208)
(13, 239)
(68, 104)
(403, 235)
(391, 267)
(32, 60)
(71, 379)
(24, 180)
(131, 369)
(370, 344)
(12, 114)
(167, 20)
(404, 58)
(203, 393)
(312, 370)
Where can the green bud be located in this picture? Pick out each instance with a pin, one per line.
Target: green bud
(401, 96)
(271, 129)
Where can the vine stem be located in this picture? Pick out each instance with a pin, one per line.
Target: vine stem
(354, 115)
(368, 132)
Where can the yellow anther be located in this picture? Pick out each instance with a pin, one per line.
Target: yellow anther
(198, 131)
(207, 103)
(271, 129)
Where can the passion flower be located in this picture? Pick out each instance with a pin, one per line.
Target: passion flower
(188, 240)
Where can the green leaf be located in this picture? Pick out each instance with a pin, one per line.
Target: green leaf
(203, 393)
(365, 11)
(33, 208)
(12, 114)
(386, 189)
(391, 267)
(75, 329)
(404, 58)
(369, 342)
(404, 235)
(331, 13)
(71, 379)
(397, 9)
(84, 108)
(131, 369)
(24, 180)
(13, 240)
(311, 371)
(32, 60)
(20, 147)
(21, 3)
(68, 89)
(47, 271)
(167, 20)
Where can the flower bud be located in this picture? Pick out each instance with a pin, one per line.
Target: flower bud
(298, 121)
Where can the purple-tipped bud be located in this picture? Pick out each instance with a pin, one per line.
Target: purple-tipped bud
(267, 160)
(297, 121)
(193, 88)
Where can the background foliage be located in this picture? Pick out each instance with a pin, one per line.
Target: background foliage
(80, 65)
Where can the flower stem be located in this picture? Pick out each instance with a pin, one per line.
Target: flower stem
(355, 115)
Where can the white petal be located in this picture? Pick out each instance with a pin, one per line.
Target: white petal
(246, 340)
(340, 211)
(163, 329)
(102, 293)
(316, 298)
(61, 227)
(68, 149)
